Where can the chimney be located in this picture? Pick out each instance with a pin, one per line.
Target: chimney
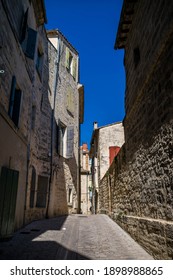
(95, 125)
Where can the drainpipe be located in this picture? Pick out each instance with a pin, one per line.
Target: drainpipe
(55, 86)
(29, 145)
(94, 188)
(79, 175)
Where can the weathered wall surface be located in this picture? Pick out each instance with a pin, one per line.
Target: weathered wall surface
(64, 189)
(13, 139)
(25, 145)
(137, 190)
(111, 135)
(40, 131)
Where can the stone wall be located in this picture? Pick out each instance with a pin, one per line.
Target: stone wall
(39, 131)
(14, 139)
(64, 187)
(137, 190)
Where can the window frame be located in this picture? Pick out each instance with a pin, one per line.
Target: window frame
(15, 103)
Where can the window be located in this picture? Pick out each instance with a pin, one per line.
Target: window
(70, 142)
(60, 132)
(70, 101)
(24, 26)
(42, 191)
(70, 196)
(28, 37)
(71, 63)
(136, 56)
(15, 102)
(65, 140)
(39, 62)
(33, 117)
(32, 190)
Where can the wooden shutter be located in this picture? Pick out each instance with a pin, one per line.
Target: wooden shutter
(24, 26)
(16, 107)
(13, 88)
(8, 191)
(32, 191)
(42, 191)
(67, 61)
(74, 68)
(30, 43)
(70, 142)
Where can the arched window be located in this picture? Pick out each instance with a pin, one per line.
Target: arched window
(32, 189)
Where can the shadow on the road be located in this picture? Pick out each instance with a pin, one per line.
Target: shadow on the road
(41, 250)
(25, 244)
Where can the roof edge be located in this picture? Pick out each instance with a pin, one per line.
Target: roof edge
(126, 17)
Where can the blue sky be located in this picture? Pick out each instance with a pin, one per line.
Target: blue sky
(91, 26)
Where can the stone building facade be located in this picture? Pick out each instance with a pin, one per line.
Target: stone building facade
(85, 180)
(22, 30)
(138, 184)
(66, 98)
(41, 109)
(102, 139)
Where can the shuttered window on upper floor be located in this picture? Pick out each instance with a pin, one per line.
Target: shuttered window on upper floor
(70, 100)
(71, 63)
(39, 62)
(70, 142)
(15, 102)
(65, 140)
(28, 37)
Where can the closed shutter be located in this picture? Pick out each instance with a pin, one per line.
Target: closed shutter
(42, 191)
(30, 43)
(70, 142)
(74, 68)
(24, 26)
(12, 94)
(16, 107)
(8, 191)
(67, 61)
(32, 192)
(15, 102)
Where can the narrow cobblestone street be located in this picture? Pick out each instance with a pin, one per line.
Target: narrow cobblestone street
(73, 237)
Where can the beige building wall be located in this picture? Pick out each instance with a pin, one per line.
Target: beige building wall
(85, 175)
(64, 100)
(111, 135)
(103, 138)
(17, 84)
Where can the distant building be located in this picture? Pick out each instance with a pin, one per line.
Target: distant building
(85, 174)
(105, 142)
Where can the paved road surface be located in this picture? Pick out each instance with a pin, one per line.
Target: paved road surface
(75, 237)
